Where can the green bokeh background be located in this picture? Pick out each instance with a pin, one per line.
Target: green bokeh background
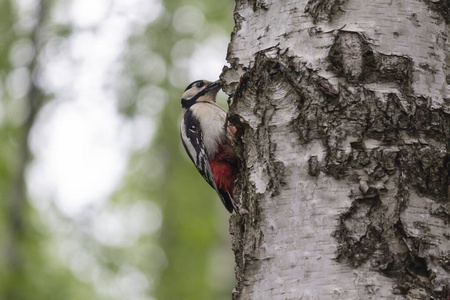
(189, 256)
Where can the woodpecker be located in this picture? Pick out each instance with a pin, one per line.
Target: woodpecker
(207, 139)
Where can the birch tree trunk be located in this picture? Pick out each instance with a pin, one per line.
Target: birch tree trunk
(343, 116)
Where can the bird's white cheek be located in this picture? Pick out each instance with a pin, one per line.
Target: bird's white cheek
(189, 94)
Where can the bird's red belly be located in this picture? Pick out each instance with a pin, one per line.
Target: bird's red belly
(223, 174)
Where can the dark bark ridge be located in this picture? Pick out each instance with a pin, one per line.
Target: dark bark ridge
(441, 7)
(413, 145)
(323, 10)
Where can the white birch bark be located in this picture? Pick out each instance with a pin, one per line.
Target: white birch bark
(343, 116)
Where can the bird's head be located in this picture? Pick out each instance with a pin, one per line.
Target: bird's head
(200, 90)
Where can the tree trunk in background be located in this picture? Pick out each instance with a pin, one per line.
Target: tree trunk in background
(17, 197)
(343, 116)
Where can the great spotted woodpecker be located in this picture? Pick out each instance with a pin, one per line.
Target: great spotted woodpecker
(207, 139)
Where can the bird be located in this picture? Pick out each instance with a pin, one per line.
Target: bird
(206, 136)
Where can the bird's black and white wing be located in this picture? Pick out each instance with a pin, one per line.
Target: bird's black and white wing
(191, 136)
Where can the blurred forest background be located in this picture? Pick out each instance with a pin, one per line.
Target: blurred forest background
(99, 200)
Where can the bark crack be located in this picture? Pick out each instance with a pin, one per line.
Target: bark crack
(370, 138)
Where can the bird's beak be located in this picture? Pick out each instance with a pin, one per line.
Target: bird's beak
(214, 86)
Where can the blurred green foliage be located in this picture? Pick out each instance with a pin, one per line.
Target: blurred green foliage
(195, 223)
(28, 269)
(196, 260)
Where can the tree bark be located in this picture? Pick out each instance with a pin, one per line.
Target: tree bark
(343, 116)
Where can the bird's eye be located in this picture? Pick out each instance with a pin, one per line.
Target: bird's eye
(200, 84)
